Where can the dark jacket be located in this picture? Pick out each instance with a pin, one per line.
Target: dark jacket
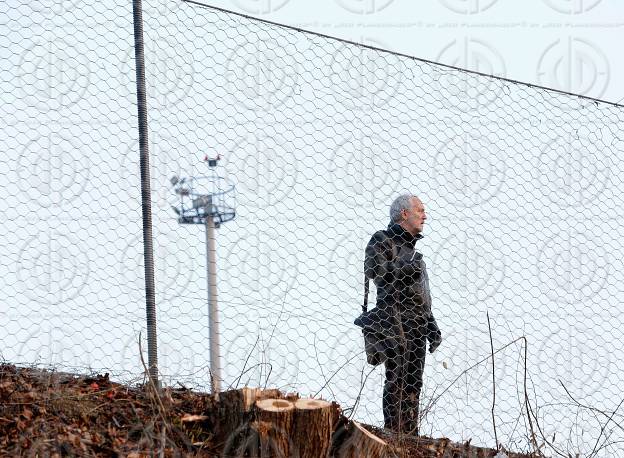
(403, 298)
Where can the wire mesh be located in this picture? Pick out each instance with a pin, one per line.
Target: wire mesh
(521, 187)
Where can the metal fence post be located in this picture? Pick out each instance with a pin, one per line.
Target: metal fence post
(146, 206)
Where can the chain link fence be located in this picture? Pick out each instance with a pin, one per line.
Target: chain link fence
(521, 186)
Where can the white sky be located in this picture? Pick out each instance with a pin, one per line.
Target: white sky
(571, 45)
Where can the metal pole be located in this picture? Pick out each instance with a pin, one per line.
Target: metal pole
(213, 317)
(146, 206)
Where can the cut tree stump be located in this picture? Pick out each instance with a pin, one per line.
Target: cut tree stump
(235, 408)
(275, 418)
(234, 411)
(313, 427)
(362, 444)
(243, 399)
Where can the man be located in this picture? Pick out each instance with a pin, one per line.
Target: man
(403, 315)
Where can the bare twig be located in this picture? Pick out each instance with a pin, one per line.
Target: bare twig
(250, 368)
(527, 403)
(321, 367)
(334, 374)
(604, 427)
(266, 381)
(163, 439)
(584, 406)
(359, 395)
(465, 371)
(268, 342)
(279, 317)
(155, 392)
(531, 414)
(493, 382)
(245, 365)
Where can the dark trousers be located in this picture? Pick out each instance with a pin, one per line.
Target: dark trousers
(404, 374)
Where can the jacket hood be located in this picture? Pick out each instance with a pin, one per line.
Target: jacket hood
(396, 231)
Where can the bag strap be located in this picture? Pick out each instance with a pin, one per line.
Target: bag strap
(366, 286)
(367, 280)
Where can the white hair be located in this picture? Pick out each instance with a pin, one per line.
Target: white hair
(400, 203)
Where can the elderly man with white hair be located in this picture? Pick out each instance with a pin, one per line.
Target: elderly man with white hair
(402, 319)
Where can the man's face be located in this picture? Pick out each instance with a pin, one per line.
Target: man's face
(414, 217)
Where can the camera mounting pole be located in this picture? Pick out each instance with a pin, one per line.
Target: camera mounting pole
(208, 200)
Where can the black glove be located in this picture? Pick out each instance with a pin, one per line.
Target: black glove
(433, 334)
(435, 343)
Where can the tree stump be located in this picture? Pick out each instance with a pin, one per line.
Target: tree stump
(362, 444)
(234, 410)
(313, 427)
(240, 400)
(274, 425)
